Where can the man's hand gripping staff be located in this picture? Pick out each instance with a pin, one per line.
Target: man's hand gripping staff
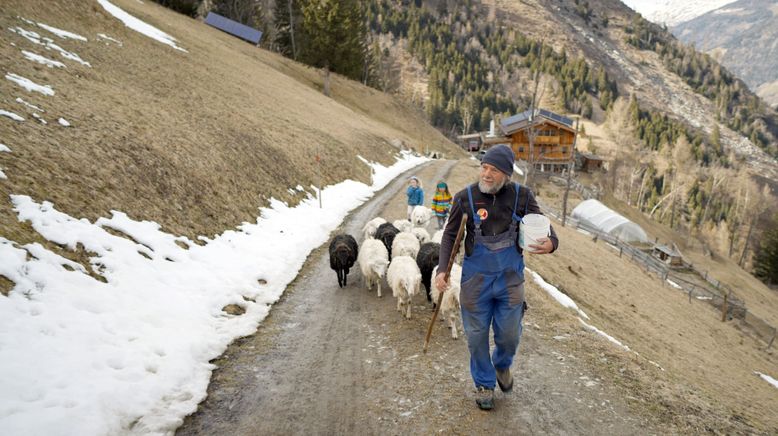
(454, 251)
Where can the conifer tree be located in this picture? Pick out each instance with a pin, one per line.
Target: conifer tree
(335, 33)
(766, 259)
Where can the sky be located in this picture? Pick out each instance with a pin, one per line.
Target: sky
(85, 356)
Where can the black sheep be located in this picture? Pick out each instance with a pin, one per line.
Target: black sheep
(343, 254)
(386, 233)
(427, 260)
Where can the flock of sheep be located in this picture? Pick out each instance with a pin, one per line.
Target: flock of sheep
(403, 253)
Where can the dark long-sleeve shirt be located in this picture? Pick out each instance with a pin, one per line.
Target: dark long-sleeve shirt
(499, 209)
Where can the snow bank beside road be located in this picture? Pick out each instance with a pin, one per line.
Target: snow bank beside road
(131, 355)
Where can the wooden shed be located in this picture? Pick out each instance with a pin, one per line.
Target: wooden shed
(668, 255)
(588, 162)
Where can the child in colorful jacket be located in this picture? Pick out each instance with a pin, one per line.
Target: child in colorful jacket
(415, 195)
(441, 203)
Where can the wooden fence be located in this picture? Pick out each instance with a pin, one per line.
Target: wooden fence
(713, 292)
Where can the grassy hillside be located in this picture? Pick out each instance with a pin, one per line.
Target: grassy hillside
(195, 140)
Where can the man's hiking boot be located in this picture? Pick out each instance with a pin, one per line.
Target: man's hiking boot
(484, 397)
(505, 379)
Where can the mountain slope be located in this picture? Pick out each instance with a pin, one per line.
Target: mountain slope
(194, 140)
(742, 37)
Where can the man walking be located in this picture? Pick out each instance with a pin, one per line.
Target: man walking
(492, 292)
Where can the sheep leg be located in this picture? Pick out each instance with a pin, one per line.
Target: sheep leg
(379, 288)
(452, 322)
(408, 309)
(399, 304)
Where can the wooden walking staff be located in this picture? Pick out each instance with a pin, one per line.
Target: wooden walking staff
(454, 251)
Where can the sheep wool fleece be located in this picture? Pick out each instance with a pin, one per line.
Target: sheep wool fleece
(492, 295)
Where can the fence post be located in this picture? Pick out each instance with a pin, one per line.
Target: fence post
(621, 249)
(690, 294)
(724, 308)
(771, 340)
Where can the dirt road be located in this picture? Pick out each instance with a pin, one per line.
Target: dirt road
(342, 361)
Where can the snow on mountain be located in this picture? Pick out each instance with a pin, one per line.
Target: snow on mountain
(672, 12)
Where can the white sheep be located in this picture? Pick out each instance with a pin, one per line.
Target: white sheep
(421, 234)
(405, 244)
(371, 227)
(373, 260)
(402, 225)
(404, 278)
(437, 237)
(449, 307)
(420, 216)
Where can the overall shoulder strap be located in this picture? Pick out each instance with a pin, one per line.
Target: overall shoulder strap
(517, 187)
(476, 218)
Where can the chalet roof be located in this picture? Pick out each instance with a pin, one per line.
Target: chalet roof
(470, 136)
(520, 121)
(488, 140)
(591, 156)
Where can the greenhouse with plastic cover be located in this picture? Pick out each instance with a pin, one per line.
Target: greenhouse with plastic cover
(592, 213)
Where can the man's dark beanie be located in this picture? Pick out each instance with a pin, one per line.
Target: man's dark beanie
(502, 157)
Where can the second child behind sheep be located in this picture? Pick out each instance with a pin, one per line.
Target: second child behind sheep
(441, 203)
(415, 195)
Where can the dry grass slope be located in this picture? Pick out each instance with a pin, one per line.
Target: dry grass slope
(196, 141)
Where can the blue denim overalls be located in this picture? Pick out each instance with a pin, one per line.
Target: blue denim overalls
(492, 292)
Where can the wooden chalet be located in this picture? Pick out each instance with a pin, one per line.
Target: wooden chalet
(554, 136)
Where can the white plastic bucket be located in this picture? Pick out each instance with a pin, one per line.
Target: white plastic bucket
(533, 227)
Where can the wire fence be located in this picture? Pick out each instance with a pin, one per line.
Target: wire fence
(698, 286)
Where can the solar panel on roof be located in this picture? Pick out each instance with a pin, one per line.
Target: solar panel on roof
(233, 28)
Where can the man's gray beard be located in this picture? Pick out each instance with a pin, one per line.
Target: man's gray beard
(495, 187)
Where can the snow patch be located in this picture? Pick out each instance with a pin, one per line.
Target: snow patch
(63, 122)
(39, 118)
(64, 34)
(768, 379)
(674, 284)
(29, 85)
(98, 357)
(42, 60)
(2, 175)
(140, 26)
(108, 38)
(31, 106)
(35, 38)
(603, 334)
(4, 148)
(555, 293)
(10, 115)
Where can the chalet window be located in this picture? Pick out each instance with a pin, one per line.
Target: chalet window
(564, 150)
(521, 149)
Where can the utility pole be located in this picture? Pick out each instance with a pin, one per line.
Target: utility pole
(531, 130)
(569, 174)
(318, 173)
(672, 205)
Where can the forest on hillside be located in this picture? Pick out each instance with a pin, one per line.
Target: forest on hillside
(478, 68)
